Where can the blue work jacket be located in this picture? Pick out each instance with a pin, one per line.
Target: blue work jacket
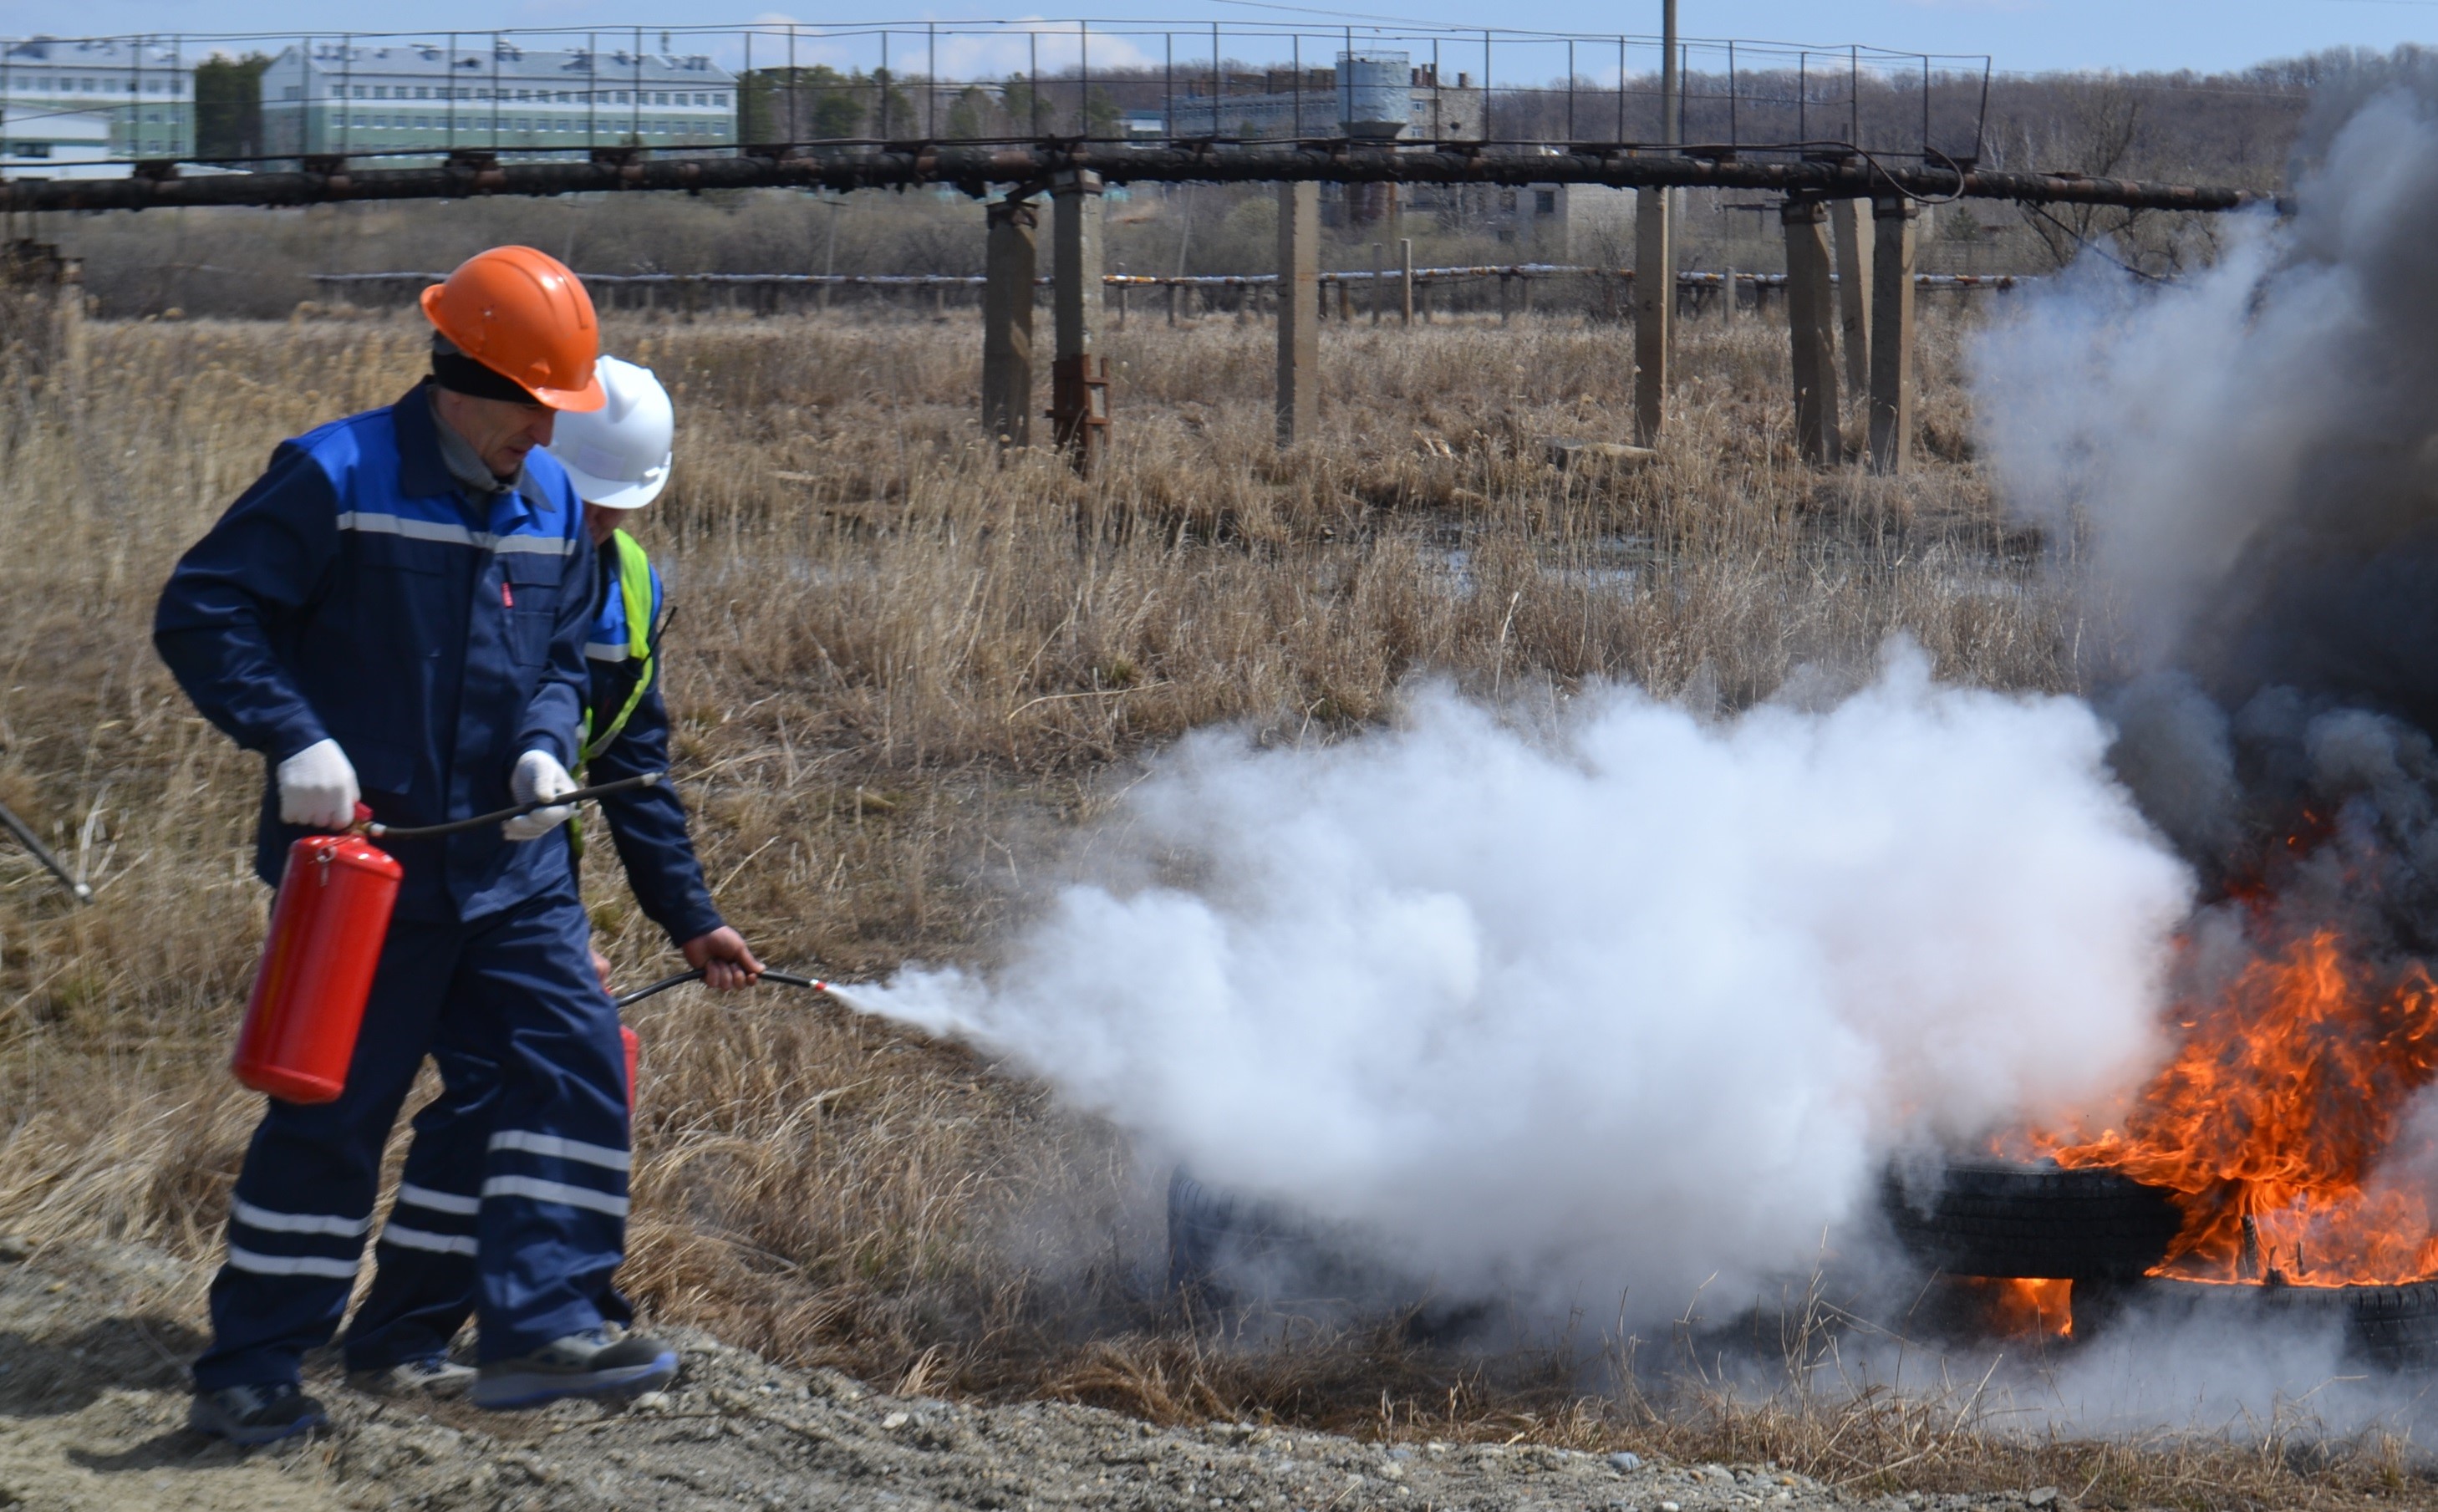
(356, 593)
(647, 825)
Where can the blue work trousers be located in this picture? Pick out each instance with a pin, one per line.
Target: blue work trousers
(508, 1006)
(423, 1289)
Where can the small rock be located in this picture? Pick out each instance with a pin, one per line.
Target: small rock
(896, 1421)
(2042, 1496)
(650, 1401)
(1623, 1460)
(1671, 1507)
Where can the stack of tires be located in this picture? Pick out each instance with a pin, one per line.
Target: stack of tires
(2104, 1232)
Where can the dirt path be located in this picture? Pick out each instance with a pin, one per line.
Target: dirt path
(91, 1406)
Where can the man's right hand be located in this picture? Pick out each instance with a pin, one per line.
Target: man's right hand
(725, 960)
(317, 787)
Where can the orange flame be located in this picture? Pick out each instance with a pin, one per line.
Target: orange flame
(2267, 1123)
(2026, 1308)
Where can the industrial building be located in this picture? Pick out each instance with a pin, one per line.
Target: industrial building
(142, 89)
(1383, 96)
(428, 99)
(40, 143)
(1380, 95)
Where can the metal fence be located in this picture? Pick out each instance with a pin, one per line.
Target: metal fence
(762, 88)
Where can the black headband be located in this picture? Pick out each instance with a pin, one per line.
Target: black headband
(461, 374)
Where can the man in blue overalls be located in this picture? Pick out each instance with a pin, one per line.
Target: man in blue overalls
(396, 611)
(617, 458)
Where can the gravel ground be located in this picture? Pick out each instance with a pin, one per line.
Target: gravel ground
(91, 1413)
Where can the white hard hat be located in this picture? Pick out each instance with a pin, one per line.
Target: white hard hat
(618, 455)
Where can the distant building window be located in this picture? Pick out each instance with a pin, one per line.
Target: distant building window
(1545, 201)
(719, 100)
(291, 92)
(423, 120)
(29, 149)
(360, 121)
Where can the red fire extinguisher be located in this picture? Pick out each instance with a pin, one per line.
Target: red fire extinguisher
(326, 928)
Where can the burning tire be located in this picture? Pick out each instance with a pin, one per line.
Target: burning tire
(1225, 1250)
(2393, 1327)
(2004, 1219)
(1200, 1222)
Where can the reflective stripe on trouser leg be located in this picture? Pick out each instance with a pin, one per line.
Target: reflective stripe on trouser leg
(423, 1292)
(304, 1200)
(553, 1224)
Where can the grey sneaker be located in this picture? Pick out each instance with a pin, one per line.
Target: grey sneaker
(581, 1364)
(433, 1376)
(247, 1415)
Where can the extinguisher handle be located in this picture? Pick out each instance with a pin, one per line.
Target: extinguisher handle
(434, 832)
(782, 978)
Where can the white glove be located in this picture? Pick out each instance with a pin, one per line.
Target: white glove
(538, 776)
(317, 787)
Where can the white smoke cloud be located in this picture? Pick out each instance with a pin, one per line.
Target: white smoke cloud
(1640, 1001)
(2219, 455)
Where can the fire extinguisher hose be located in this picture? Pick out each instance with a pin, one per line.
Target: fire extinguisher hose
(42, 852)
(782, 978)
(434, 832)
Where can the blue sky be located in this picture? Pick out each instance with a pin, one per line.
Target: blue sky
(2027, 35)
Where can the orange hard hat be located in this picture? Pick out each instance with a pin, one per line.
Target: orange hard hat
(521, 314)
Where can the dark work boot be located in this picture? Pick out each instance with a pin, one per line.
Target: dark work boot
(247, 1415)
(581, 1364)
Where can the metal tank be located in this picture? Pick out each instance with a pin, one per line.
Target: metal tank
(1375, 93)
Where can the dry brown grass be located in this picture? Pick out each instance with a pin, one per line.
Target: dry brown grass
(904, 672)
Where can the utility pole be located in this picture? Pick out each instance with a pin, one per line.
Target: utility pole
(1654, 260)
